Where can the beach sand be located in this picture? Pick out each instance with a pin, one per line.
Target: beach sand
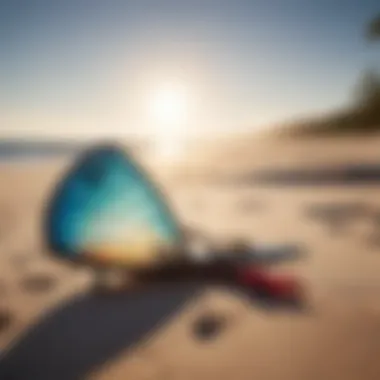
(337, 338)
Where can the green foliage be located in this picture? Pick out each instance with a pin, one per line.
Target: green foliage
(373, 29)
(368, 90)
(363, 116)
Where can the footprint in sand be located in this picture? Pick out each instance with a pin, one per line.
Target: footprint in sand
(249, 206)
(209, 326)
(38, 283)
(3, 288)
(337, 216)
(6, 320)
(374, 238)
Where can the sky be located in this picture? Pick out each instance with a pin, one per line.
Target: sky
(94, 68)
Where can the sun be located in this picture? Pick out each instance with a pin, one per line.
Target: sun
(168, 104)
(168, 107)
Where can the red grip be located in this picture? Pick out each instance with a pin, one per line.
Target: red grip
(275, 285)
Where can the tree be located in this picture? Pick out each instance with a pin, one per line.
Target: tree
(368, 89)
(373, 29)
(369, 86)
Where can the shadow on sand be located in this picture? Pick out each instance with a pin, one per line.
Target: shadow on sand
(340, 175)
(85, 332)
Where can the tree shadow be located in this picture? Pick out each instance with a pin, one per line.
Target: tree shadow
(332, 175)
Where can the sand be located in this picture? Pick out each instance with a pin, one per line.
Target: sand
(338, 338)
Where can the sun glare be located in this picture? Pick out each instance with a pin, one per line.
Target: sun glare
(169, 104)
(168, 108)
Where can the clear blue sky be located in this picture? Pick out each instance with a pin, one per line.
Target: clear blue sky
(78, 64)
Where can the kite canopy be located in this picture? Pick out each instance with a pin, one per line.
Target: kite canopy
(107, 210)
